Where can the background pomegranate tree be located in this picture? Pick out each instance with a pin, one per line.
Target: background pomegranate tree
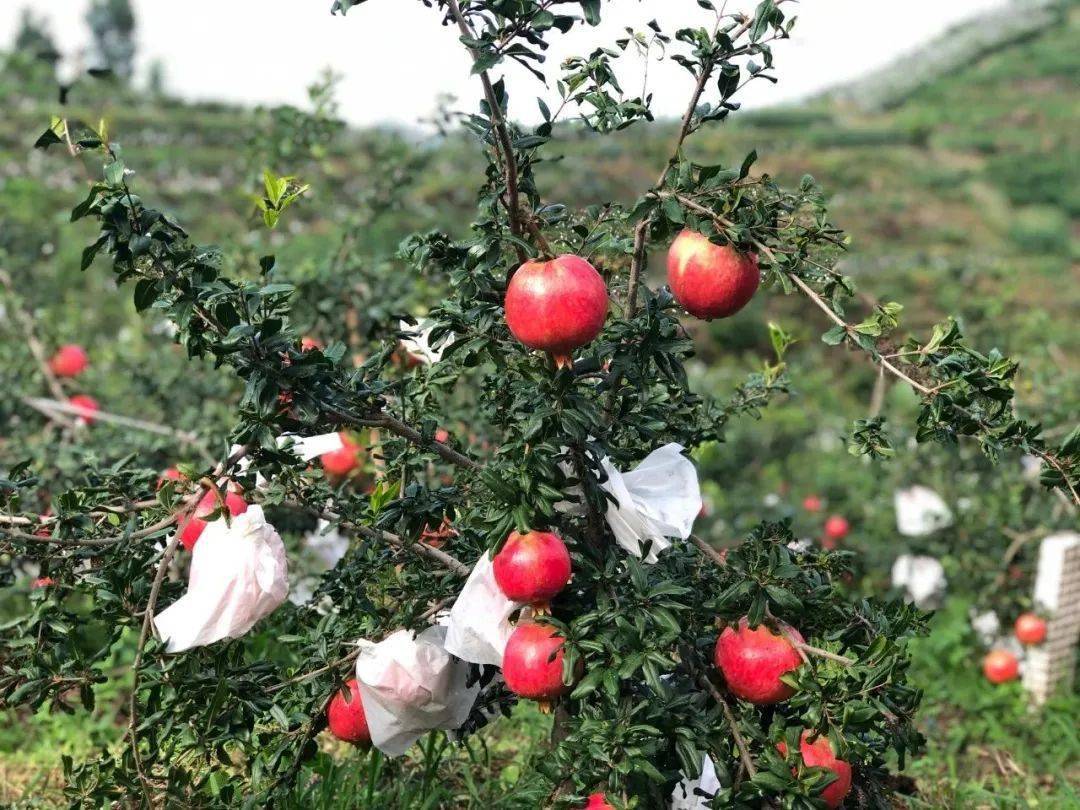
(646, 701)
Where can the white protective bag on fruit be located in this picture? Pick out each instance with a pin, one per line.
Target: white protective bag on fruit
(311, 447)
(238, 575)
(922, 578)
(657, 500)
(1051, 568)
(479, 623)
(411, 685)
(687, 794)
(417, 342)
(920, 511)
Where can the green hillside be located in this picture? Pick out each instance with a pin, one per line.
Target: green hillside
(962, 198)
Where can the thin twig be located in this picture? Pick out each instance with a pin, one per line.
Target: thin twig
(740, 743)
(502, 134)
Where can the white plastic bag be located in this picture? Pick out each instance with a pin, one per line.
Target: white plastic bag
(986, 626)
(311, 447)
(922, 578)
(479, 623)
(418, 342)
(238, 575)
(684, 796)
(411, 685)
(920, 511)
(657, 500)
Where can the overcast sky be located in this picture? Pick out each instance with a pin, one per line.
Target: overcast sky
(396, 59)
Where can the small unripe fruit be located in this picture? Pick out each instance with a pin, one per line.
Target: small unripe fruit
(345, 716)
(532, 567)
(1000, 666)
(343, 461)
(529, 668)
(753, 661)
(86, 403)
(1030, 629)
(556, 306)
(819, 754)
(192, 530)
(69, 361)
(710, 281)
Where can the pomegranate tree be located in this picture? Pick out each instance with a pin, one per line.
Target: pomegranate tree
(653, 659)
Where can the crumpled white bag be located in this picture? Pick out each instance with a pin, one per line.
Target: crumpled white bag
(684, 797)
(418, 344)
(922, 578)
(657, 500)
(479, 623)
(986, 626)
(920, 511)
(238, 575)
(411, 685)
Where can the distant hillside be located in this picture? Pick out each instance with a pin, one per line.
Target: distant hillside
(958, 48)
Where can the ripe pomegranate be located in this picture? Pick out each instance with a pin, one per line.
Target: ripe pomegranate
(170, 474)
(87, 403)
(753, 661)
(42, 582)
(812, 503)
(836, 529)
(819, 754)
(708, 280)
(341, 463)
(345, 716)
(532, 567)
(1030, 629)
(192, 530)
(1000, 666)
(598, 801)
(528, 667)
(308, 343)
(556, 306)
(442, 435)
(69, 361)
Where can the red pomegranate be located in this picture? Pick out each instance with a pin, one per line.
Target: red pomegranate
(556, 306)
(836, 529)
(192, 530)
(532, 567)
(170, 474)
(812, 503)
(442, 435)
(87, 403)
(308, 343)
(42, 582)
(598, 801)
(69, 361)
(528, 667)
(819, 754)
(342, 462)
(1000, 666)
(345, 716)
(708, 280)
(1030, 629)
(753, 661)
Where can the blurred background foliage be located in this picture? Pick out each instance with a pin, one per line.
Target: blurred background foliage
(960, 188)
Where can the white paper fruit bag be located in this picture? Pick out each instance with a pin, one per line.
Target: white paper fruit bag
(657, 500)
(922, 578)
(920, 511)
(687, 794)
(410, 685)
(479, 623)
(238, 575)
